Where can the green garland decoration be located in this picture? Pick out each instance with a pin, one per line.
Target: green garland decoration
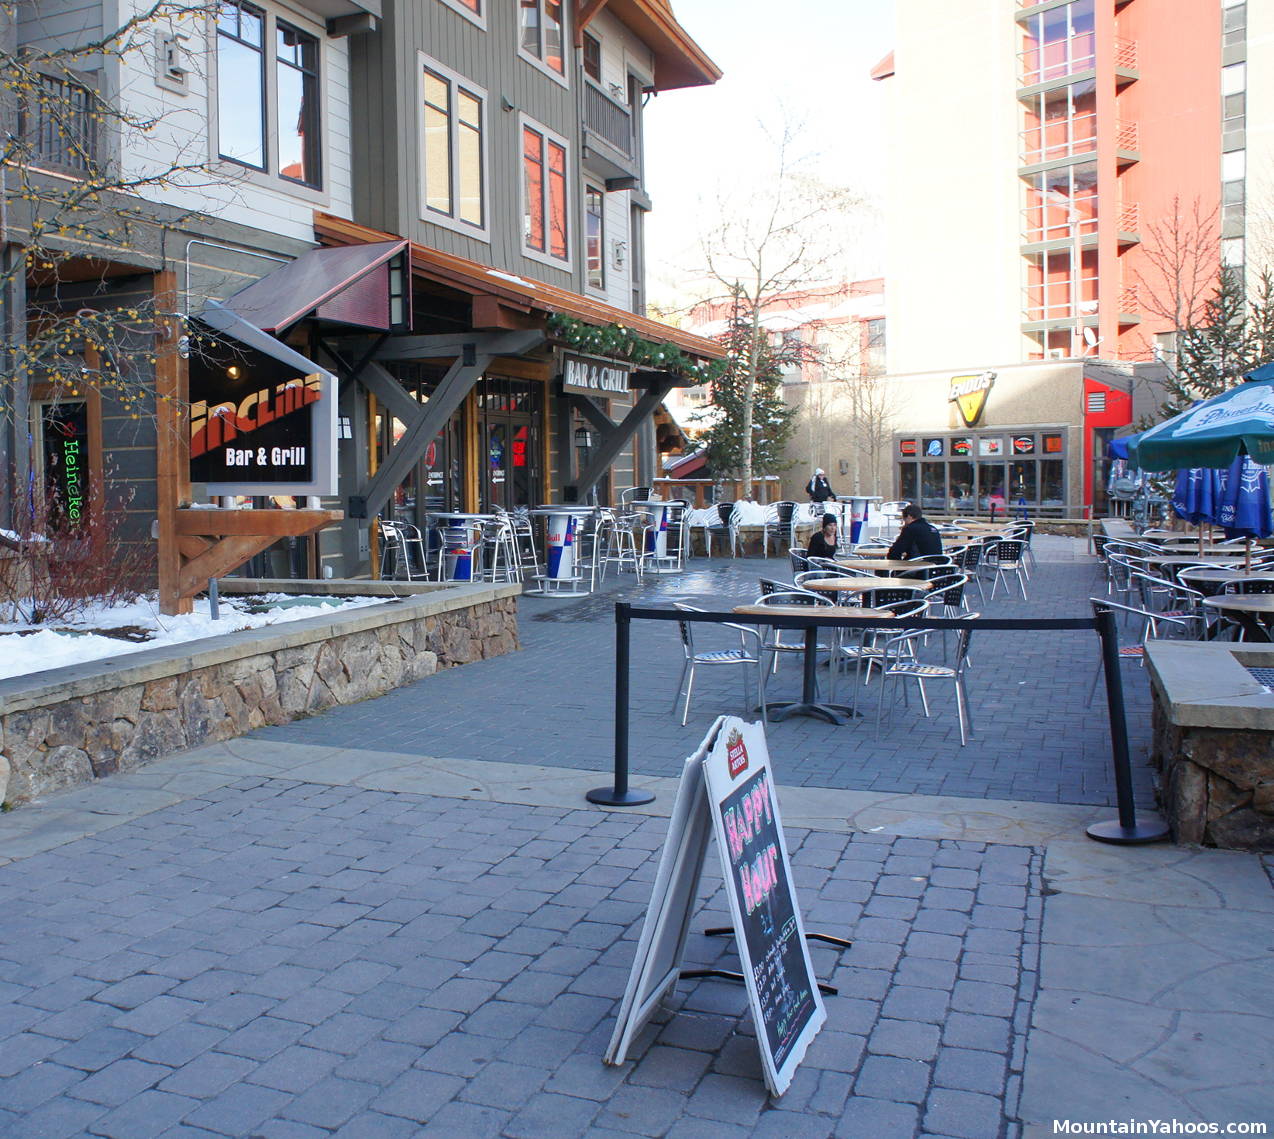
(622, 343)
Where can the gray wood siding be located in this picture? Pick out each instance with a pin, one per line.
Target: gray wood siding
(59, 24)
(386, 128)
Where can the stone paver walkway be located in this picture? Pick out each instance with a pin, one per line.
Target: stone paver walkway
(1040, 737)
(311, 932)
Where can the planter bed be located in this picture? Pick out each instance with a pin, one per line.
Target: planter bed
(71, 725)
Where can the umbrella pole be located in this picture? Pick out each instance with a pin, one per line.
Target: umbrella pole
(1200, 539)
(1247, 554)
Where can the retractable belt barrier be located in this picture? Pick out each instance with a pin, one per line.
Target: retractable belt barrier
(1123, 830)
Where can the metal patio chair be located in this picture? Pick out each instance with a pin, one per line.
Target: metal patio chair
(748, 654)
(900, 662)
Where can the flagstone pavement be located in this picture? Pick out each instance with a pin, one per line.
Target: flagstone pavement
(355, 926)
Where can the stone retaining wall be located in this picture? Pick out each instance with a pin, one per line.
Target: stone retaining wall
(72, 725)
(1213, 741)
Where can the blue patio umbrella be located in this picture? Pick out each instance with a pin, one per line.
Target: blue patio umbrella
(1243, 500)
(1195, 498)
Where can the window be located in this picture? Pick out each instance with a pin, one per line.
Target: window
(542, 34)
(57, 122)
(297, 111)
(595, 237)
(474, 10)
(544, 204)
(452, 149)
(268, 101)
(241, 83)
(592, 53)
(874, 358)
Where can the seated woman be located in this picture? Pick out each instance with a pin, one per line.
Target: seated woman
(823, 543)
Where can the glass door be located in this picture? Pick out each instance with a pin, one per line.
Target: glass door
(509, 434)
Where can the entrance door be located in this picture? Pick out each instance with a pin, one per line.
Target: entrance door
(509, 430)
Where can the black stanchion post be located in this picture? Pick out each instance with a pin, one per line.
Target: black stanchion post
(619, 795)
(1125, 830)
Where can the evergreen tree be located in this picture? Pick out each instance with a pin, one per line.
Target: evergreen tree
(1233, 334)
(754, 366)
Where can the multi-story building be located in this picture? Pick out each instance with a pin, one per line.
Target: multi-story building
(1048, 160)
(431, 208)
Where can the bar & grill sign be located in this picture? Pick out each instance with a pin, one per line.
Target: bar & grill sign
(590, 375)
(258, 426)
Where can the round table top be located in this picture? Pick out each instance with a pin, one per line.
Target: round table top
(884, 564)
(860, 497)
(1243, 602)
(653, 502)
(1193, 560)
(562, 509)
(1225, 573)
(810, 611)
(863, 584)
(462, 515)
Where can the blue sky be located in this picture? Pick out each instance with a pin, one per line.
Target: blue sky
(808, 58)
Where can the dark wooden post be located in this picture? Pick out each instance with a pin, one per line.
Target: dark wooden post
(172, 441)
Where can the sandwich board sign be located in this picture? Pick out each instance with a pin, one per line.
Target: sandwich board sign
(726, 789)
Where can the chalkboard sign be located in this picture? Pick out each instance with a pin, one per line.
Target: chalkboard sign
(771, 937)
(726, 789)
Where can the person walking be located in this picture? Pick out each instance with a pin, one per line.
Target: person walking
(818, 488)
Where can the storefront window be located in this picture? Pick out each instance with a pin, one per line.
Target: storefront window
(1022, 483)
(968, 473)
(990, 486)
(1052, 485)
(960, 487)
(933, 492)
(908, 483)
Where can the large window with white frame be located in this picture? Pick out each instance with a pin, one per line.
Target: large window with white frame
(545, 197)
(594, 237)
(453, 162)
(474, 11)
(268, 93)
(542, 35)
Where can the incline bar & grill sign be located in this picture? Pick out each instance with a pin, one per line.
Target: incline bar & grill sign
(588, 375)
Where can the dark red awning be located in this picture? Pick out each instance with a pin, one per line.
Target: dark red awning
(345, 283)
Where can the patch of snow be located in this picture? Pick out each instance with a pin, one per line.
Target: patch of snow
(21, 655)
(510, 277)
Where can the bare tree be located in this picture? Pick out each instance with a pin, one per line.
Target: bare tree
(783, 237)
(1181, 254)
(82, 168)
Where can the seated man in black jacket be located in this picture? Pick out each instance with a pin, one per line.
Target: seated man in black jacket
(917, 538)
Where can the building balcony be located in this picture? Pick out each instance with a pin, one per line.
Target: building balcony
(1060, 138)
(1126, 61)
(610, 145)
(1129, 224)
(1051, 302)
(1127, 142)
(1045, 63)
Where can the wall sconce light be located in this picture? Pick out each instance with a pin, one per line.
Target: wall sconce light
(344, 427)
(234, 371)
(583, 439)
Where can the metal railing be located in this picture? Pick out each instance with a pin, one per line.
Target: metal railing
(58, 121)
(1060, 138)
(607, 118)
(1124, 830)
(1053, 60)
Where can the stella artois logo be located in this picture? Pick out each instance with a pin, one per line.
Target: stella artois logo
(969, 394)
(736, 754)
